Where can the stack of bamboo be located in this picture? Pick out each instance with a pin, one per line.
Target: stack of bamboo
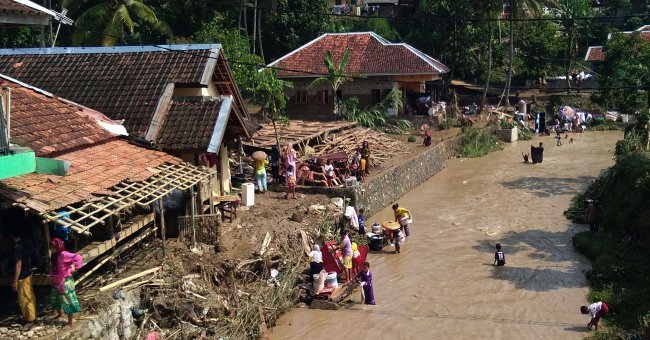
(382, 147)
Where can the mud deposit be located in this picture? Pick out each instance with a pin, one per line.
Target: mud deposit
(443, 285)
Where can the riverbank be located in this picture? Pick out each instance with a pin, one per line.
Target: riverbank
(620, 251)
(443, 286)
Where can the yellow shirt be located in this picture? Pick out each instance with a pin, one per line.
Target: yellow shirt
(260, 166)
(401, 212)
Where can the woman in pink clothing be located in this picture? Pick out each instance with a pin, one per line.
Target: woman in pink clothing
(64, 296)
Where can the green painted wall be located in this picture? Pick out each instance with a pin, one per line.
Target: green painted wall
(23, 161)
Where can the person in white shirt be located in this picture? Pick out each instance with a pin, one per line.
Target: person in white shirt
(315, 260)
(596, 311)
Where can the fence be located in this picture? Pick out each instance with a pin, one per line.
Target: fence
(204, 228)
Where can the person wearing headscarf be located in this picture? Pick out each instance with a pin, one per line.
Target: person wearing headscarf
(289, 157)
(64, 296)
(351, 215)
(315, 260)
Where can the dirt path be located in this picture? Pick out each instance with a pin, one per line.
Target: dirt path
(443, 286)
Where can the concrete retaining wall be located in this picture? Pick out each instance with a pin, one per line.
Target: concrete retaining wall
(386, 187)
(393, 183)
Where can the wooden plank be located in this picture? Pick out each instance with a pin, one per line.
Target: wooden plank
(96, 249)
(130, 278)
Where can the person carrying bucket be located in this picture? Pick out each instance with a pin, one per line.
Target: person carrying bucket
(403, 217)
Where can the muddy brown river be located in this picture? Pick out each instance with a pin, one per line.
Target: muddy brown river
(443, 285)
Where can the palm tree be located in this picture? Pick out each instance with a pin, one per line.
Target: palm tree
(336, 76)
(112, 17)
(517, 8)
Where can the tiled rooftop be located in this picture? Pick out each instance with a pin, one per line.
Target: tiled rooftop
(47, 124)
(15, 7)
(93, 170)
(189, 124)
(370, 54)
(122, 82)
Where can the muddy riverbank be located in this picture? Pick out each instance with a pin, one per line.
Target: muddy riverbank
(443, 285)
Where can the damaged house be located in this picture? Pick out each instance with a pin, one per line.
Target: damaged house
(73, 175)
(180, 99)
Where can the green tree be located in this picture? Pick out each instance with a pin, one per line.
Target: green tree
(243, 64)
(381, 26)
(539, 46)
(624, 80)
(111, 18)
(573, 29)
(270, 95)
(336, 77)
(516, 10)
(294, 23)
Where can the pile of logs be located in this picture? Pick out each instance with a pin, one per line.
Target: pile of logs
(382, 147)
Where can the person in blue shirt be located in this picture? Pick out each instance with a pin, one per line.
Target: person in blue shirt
(362, 222)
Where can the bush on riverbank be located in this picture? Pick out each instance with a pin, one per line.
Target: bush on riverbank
(620, 252)
(479, 142)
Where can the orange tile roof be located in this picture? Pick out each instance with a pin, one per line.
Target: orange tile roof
(47, 124)
(93, 170)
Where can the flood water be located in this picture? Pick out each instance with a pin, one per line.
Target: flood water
(443, 285)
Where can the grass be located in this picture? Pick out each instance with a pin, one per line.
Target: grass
(620, 275)
(479, 142)
(605, 125)
(620, 252)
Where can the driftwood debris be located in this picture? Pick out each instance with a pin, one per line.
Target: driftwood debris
(130, 278)
(382, 147)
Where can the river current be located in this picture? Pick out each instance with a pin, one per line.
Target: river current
(443, 284)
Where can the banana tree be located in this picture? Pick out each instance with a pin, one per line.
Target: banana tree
(336, 76)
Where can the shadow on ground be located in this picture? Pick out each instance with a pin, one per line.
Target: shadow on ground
(554, 267)
(546, 187)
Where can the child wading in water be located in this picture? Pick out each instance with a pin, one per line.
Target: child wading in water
(499, 256)
(291, 181)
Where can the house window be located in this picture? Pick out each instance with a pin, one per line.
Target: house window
(375, 94)
(323, 97)
(301, 97)
(339, 95)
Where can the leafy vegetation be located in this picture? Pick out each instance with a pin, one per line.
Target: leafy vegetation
(446, 124)
(524, 134)
(479, 142)
(376, 115)
(336, 76)
(621, 251)
(107, 21)
(412, 139)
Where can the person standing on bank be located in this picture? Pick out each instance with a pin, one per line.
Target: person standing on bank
(591, 215)
(315, 260)
(596, 310)
(64, 296)
(260, 174)
(22, 280)
(365, 157)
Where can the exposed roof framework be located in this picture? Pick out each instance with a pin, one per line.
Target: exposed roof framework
(126, 195)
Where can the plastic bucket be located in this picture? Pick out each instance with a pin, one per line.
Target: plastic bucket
(331, 280)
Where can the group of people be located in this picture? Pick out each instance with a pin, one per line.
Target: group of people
(63, 296)
(286, 168)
